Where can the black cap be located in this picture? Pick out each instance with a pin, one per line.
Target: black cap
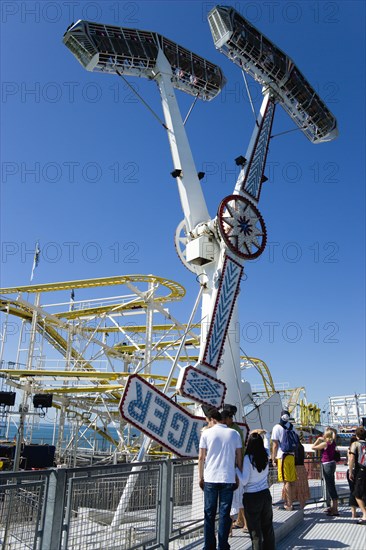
(206, 409)
(231, 408)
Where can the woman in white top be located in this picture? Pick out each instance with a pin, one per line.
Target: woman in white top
(257, 499)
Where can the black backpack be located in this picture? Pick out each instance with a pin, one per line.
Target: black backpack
(299, 454)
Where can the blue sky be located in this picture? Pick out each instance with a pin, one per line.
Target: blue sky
(83, 162)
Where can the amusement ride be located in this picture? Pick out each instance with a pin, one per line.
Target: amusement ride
(102, 371)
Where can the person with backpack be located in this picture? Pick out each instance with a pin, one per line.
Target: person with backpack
(327, 445)
(357, 470)
(284, 442)
(301, 491)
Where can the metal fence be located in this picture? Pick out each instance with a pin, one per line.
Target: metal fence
(22, 506)
(149, 505)
(315, 481)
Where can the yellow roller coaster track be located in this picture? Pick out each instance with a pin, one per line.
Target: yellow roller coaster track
(177, 291)
(51, 324)
(160, 289)
(25, 311)
(264, 371)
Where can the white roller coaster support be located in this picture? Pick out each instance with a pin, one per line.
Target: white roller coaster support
(20, 340)
(127, 492)
(33, 332)
(4, 336)
(149, 328)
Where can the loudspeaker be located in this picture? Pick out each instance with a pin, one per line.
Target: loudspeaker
(42, 400)
(37, 456)
(7, 398)
(7, 450)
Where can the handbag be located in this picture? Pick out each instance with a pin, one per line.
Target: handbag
(337, 455)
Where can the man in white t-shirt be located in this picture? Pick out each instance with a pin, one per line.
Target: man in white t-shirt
(285, 461)
(220, 450)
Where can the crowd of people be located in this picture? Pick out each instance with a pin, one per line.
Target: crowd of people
(233, 473)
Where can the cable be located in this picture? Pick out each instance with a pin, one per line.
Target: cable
(255, 116)
(191, 109)
(136, 371)
(142, 100)
(285, 132)
(249, 96)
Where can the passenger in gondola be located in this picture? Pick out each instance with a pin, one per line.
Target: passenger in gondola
(178, 72)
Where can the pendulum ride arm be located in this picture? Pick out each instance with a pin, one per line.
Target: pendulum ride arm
(255, 54)
(123, 51)
(241, 230)
(190, 191)
(240, 224)
(243, 233)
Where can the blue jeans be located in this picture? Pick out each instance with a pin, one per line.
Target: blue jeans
(221, 493)
(329, 469)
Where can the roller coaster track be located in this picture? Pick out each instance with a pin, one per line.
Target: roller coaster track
(294, 398)
(263, 370)
(89, 386)
(177, 291)
(25, 310)
(75, 321)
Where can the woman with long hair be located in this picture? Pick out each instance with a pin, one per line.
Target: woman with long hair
(257, 498)
(327, 445)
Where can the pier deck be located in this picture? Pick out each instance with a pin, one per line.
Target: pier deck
(310, 529)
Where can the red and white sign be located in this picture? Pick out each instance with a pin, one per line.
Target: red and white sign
(158, 417)
(201, 387)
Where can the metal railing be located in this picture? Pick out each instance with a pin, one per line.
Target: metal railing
(315, 481)
(22, 506)
(74, 509)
